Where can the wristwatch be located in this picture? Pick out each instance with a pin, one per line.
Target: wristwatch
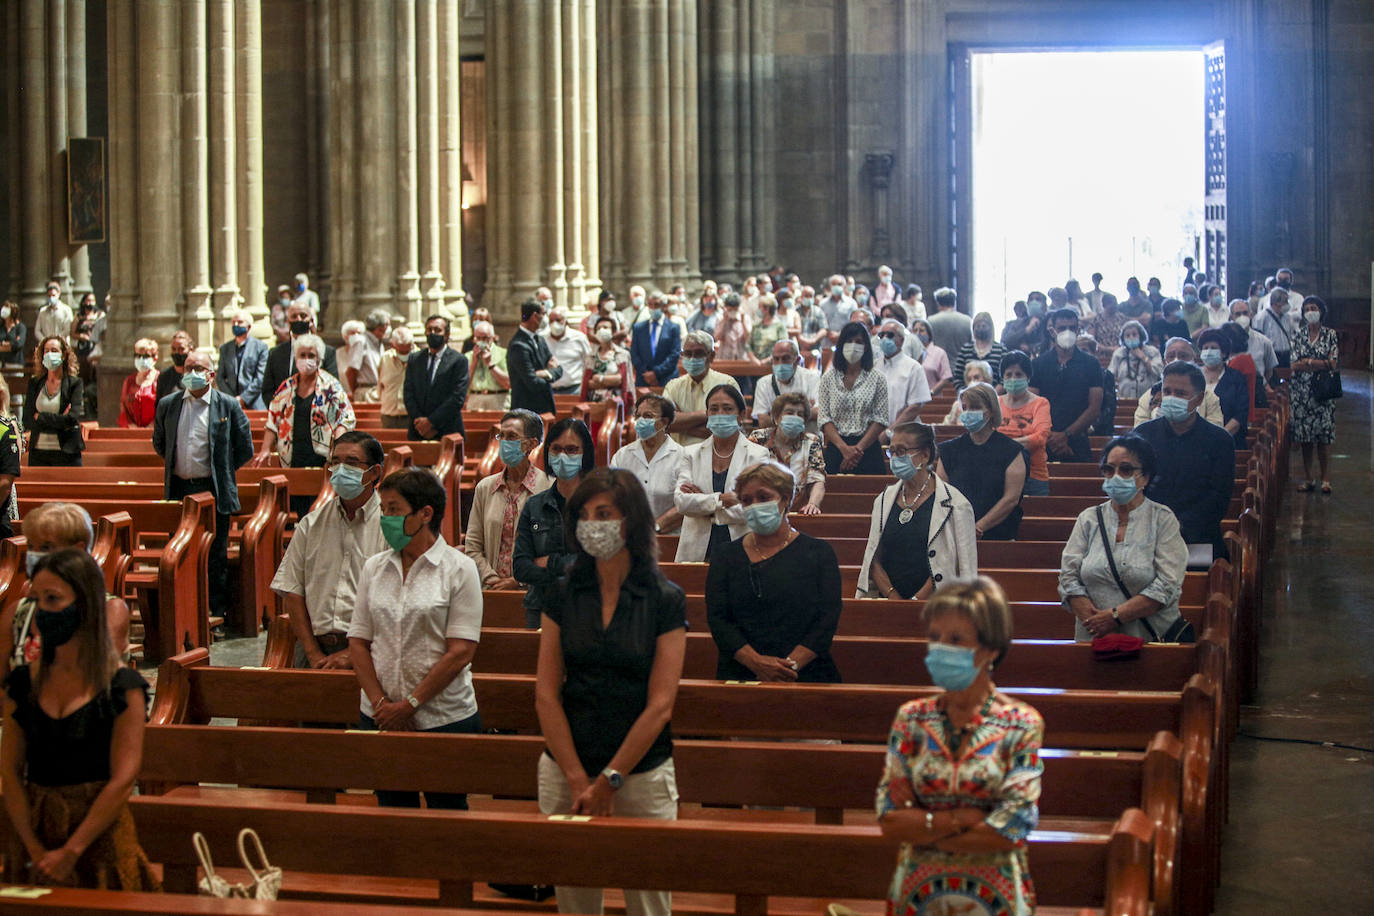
(1115, 616)
(791, 663)
(614, 778)
(414, 703)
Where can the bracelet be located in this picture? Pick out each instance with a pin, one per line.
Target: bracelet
(930, 819)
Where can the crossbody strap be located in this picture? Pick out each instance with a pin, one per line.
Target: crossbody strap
(1111, 560)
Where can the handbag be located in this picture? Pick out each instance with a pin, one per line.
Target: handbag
(1179, 631)
(266, 880)
(1326, 385)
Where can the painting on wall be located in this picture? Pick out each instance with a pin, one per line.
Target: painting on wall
(85, 190)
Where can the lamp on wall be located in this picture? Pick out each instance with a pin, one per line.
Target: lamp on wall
(470, 189)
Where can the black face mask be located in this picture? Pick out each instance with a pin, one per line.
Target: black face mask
(436, 341)
(1285, 284)
(300, 327)
(84, 346)
(179, 359)
(57, 628)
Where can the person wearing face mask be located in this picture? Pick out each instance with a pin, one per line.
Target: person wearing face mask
(541, 555)
(55, 317)
(1315, 349)
(416, 623)
(1195, 461)
(281, 332)
(788, 376)
(1260, 348)
(436, 385)
(773, 597)
(318, 575)
(1283, 279)
(169, 379)
(1194, 313)
(986, 466)
(813, 330)
(203, 437)
(54, 406)
(1278, 324)
(1169, 325)
(308, 413)
(908, 389)
(836, 307)
(983, 346)
(913, 302)
(853, 406)
(707, 310)
(921, 534)
(138, 395)
(1075, 299)
(1072, 381)
(533, 370)
(653, 457)
(489, 384)
(1217, 311)
(655, 345)
(499, 498)
(1107, 323)
(705, 495)
(934, 360)
(305, 296)
(732, 330)
(1227, 384)
(363, 356)
(688, 390)
(802, 452)
(611, 652)
(607, 373)
(1148, 407)
(1135, 589)
(67, 779)
(391, 378)
(13, 335)
(1155, 296)
(570, 347)
(281, 358)
(1025, 419)
(950, 328)
(952, 802)
(885, 292)
(975, 371)
(1135, 364)
(767, 331)
(243, 361)
(637, 310)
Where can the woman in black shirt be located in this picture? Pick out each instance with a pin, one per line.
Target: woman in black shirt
(73, 738)
(773, 597)
(610, 658)
(987, 466)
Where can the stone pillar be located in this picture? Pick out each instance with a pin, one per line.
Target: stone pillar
(449, 193)
(376, 175)
(56, 55)
(252, 268)
(409, 301)
(76, 124)
(427, 138)
(157, 71)
(125, 300)
(540, 110)
(223, 161)
(10, 134)
(195, 199)
(36, 219)
(342, 130)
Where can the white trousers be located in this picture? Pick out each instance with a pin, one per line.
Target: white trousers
(649, 794)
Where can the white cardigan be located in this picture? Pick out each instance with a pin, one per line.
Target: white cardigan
(952, 542)
(702, 510)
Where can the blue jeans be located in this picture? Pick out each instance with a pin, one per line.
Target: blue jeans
(1037, 487)
(457, 801)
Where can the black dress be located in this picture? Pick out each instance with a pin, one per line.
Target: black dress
(720, 534)
(902, 549)
(980, 473)
(791, 599)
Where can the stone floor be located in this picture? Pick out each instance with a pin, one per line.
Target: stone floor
(1301, 834)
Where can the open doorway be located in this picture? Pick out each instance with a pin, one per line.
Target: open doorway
(1083, 162)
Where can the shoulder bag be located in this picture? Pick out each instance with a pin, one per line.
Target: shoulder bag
(1180, 631)
(266, 880)
(1326, 385)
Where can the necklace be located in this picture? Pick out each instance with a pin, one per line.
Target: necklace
(718, 454)
(908, 509)
(758, 549)
(954, 737)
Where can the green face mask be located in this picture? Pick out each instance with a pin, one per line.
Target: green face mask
(394, 531)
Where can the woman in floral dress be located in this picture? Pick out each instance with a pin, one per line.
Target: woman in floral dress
(1315, 349)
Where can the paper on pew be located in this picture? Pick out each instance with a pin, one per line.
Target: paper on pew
(25, 893)
(570, 817)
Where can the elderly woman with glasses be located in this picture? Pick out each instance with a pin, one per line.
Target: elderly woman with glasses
(773, 597)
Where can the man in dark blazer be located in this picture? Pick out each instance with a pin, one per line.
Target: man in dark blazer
(436, 385)
(203, 438)
(242, 362)
(655, 345)
(531, 365)
(281, 361)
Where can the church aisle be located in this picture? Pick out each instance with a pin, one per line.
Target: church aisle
(1298, 840)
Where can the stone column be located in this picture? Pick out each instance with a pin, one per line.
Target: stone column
(157, 71)
(450, 160)
(540, 110)
(36, 235)
(76, 124)
(427, 137)
(252, 267)
(223, 161)
(376, 119)
(409, 301)
(342, 148)
(56, 129)
(10, 143)
(195, 200)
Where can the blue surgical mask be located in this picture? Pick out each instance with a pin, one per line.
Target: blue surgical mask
(1211, 358)
(1174, 409)
(194, 381)
(1035, 307)
(694, 365)
(792, 425)
(722, 425)
(1121, 489)
(565, 467)
(512, 452)
(950, 667)
(1132, 343)
(655, 314)
(240, 330)
(972, 419)
(347, 481)
(783, 372)
(645, 427)
(1015, 385)
(888, 346)
(52, 360)
(861, 299)
(763, 518)
(903, 468)
(1190, 299)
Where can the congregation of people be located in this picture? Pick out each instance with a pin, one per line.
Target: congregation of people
(725, 463)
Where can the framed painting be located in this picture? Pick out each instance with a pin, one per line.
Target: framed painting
(85, 190)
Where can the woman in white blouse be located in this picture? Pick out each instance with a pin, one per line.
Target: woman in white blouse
(653, 457)
(852, 402)
(1146, 547)
(705, 494)
(1135, 365)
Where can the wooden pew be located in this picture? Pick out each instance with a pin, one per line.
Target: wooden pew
(70, 901)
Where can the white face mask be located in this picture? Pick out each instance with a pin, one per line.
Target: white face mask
(1313, 317)
(1243, 321)
(307, 365)
(556, 328)
(1066, 340)
(853, 352)
(604, 335)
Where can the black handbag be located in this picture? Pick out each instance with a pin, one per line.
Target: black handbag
(1179, 631)
(1326, 384)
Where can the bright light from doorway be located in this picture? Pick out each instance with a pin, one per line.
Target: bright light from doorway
(1084, 162)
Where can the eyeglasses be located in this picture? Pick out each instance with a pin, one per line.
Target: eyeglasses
(571, 452)
(900, 452)
(358, 463)
(888, 335)
(510, 437)
(1125, 470)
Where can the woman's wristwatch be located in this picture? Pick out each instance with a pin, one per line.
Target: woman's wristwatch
(1115, 615)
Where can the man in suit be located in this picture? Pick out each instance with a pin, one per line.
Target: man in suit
(531, 365)
(203, 438)
(242, 362)
(655, 345)
(436, 385)
(280, 359)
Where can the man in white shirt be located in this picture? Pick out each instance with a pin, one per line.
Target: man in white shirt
(318, 576)
(637, 310)
(836, 306)
(789, 375)
(1276, 322)
(570, 347)
(1095, 294)
(54, 318)
(1217, 312)
(306, 296)
(1283, 279)
(688, 390)
(907, 386)
(365, 356)
(1260, 348)
(391, 379)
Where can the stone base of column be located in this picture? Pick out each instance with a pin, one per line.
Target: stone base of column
(200, 316)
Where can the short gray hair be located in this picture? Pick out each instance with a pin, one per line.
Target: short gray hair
(377, 318)
(308, 340)
(980, 364)
(796, 350)
(1278, 295)
(402, 335)
(896, 326)
(484, 327)
(705, 339)
(944, 296)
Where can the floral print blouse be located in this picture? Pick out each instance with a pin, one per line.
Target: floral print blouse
(330, 415)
